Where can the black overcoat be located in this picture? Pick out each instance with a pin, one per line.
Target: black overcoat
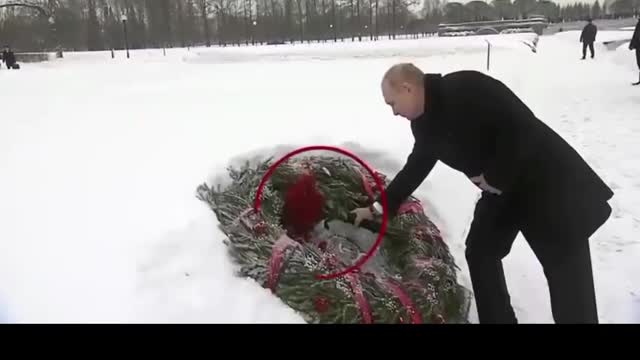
(475, 124)
(588, 34)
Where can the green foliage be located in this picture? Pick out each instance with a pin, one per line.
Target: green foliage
(412, 254)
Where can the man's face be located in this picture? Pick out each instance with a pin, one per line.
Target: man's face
(402, 100)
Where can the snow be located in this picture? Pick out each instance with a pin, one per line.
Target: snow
(358, 50)
(101, 157)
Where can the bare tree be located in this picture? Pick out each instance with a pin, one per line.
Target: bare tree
(205, 7)
(27, 4)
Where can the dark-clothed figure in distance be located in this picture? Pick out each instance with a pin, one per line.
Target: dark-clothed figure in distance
(587, 38)
(635, 45)
(8, 57)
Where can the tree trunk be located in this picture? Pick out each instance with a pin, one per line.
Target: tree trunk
(334, 25)
(251, 25)
(371, 20)
(300, 19)
(358, 23)
(94, 42)
(181, 22)
(205, 22)
(166, 17)
(393, 18)
(246, 23)
(274, 22)
(323, 22)
(308, 16)
(377, 21)
(351, 19)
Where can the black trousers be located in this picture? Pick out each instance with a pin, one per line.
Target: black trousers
(496, 223)
(584, 49)
(638, 57)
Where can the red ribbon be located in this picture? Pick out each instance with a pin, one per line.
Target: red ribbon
(367, 186)
(277, 260)
(406, 301)
(410, 207)
(356, 290)
(361, 300)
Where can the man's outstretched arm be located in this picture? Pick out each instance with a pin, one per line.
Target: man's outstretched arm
(419, 164)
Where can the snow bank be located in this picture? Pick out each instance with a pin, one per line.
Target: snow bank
(407, 48)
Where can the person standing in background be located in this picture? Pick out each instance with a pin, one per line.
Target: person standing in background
(8, 57)
(587, 38)
(635, 45)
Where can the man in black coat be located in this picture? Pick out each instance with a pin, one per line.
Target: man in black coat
(587, 38)
(532, 182)
(8, 57)
(635, 45)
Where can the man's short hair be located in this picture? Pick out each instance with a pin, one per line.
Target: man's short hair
(404, 72)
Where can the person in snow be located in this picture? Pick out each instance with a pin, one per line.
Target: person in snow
(587, 38)
(532, 181)
(635, 45)
(8, 57)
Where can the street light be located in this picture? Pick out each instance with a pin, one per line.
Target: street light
(253, 32)
(126, 39)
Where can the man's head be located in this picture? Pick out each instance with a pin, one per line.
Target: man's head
(403, 90)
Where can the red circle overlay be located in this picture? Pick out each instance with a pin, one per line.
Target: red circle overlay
(355, 267)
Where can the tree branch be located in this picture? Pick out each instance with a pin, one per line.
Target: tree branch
(40, 9)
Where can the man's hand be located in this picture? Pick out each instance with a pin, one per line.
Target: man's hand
(362, 214)
(482, 183)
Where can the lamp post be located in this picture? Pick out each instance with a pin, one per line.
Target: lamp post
(253, 32)
(126, 38)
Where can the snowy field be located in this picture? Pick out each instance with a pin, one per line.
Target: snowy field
(100, 159)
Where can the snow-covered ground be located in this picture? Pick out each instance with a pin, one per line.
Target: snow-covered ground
(100, 159)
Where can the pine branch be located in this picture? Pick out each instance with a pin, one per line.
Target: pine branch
(412, 251)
